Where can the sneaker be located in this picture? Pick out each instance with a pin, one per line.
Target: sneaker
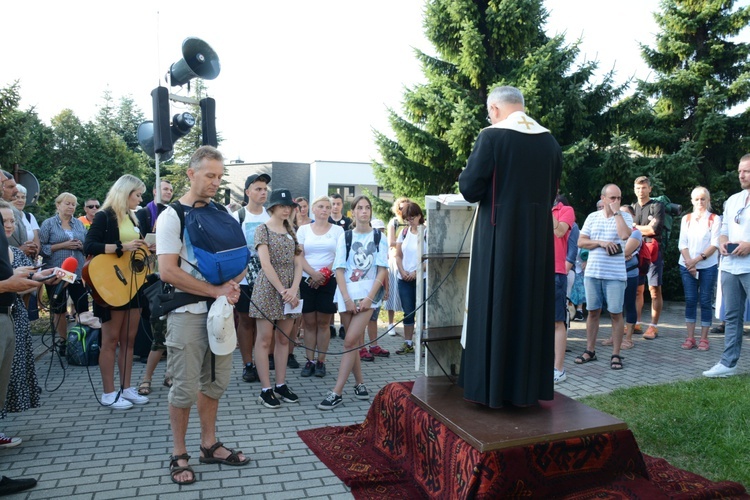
(364, 355)
(651, 333)
(8, 442)
(271, 362)
(286, 394)
(560, 376)
(578, 316)
(333, 331)
(360, 392)
(268, 400)
(116, 403)
(250, 373)
(132, 395)
(391, 329)
(720, 370)
(376, 350)
(331, 401)
(342, 332)
(308, 370)
(405, 349)
(320, 369)
(291, 361)
(62, 348)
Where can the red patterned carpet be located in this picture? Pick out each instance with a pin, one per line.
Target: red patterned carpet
(400, 451)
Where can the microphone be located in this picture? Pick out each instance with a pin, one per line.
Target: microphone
(69, 265)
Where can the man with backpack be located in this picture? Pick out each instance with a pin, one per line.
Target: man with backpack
(250, 217)
(197, 374)
(649, 220)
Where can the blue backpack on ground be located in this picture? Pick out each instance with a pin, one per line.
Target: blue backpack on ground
(82, 348)
(219, 246)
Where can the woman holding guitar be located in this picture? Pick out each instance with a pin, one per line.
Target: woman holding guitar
(115, 231)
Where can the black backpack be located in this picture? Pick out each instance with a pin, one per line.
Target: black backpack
(82, 348)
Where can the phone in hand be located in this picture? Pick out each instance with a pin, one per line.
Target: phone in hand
(731, 247)
(616, 251)
(45, 278)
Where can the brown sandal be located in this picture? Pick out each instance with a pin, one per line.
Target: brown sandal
(144, 388)
(232, 459)
(175, 468)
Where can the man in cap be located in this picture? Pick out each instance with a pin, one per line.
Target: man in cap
(250, 217)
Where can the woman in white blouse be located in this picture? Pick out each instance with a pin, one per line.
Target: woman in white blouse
(699, 264)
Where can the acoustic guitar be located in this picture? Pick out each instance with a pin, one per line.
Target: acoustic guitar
(114, 280)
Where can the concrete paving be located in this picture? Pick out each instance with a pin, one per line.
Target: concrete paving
(77, 449)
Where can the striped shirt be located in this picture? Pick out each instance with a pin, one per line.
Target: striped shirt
(600, 264)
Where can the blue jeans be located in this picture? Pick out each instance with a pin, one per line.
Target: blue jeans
(407, 292)
(734, 290)
(628, 304)
(701, 288)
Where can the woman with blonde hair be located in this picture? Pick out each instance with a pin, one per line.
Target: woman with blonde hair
(61, 236)
(115, 231)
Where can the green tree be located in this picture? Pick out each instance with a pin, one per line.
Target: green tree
(682, 121)
(482, 44)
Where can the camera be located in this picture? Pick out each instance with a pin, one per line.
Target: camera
(673, 209)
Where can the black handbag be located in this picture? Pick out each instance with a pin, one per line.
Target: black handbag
(163, 298)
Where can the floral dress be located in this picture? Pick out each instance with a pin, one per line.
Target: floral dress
(23, 389)
(265, 297)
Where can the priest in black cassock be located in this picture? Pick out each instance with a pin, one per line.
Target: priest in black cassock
(509, 330)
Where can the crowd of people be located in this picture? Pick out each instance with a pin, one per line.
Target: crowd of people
(308, 261)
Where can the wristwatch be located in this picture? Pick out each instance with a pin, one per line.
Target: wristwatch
(703, 255)
(617, 213)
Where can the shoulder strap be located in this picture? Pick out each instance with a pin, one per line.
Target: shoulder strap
(28, 216)
(180, 215)
(348, 241)
(376, 237)
(243, 211)
(404, 231)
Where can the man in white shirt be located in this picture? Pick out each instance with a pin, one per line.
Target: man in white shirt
(734, 246)
(250, 217)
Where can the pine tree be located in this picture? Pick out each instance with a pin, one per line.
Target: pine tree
(684, 126)
(482, 44)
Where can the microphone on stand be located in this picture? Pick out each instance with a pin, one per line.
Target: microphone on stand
(69, 265)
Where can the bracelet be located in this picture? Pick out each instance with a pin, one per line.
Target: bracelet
(118, 250)
(347, 300)
(371, 299)
(31, 276)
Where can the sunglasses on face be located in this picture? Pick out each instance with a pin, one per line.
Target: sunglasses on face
(92, 206)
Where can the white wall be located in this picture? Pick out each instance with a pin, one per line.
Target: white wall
(325, 173)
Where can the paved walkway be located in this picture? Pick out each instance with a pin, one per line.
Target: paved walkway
(77, 449)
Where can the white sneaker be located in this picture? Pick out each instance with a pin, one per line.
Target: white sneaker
(720, 370)
(560, 376)
(119, 404)
(132, 395)
(391, 329)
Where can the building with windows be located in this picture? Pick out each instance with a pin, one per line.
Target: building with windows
(310, 180)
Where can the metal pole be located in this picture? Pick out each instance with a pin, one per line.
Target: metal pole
(157, 186)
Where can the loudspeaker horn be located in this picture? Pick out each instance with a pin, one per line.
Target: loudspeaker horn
(146, 141)
(30, 182)
(198, 60)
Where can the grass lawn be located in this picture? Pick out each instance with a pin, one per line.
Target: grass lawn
(702, 426)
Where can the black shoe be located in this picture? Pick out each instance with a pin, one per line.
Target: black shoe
(342, 332)
(286, 394)
(292, 362)
(360, 392)
(578, 316)
(320, 369)
(333, 332)
(271, 362)
(308, 370)
(330, 402)
(9, 486)
(61, 348)
(250, 373)
(268, 400)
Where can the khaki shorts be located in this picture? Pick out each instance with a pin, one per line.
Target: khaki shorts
(189, 361)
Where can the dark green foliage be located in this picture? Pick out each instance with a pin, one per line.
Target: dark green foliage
(482, 44)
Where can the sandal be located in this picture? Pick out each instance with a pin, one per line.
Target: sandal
(144, 388)
(703, 345)
(608, 341)
(627, 344)
(615, 365)
(167, 381)
(175, 468)
(581, 360)
(232, 459)
(717, 329)
(689, 343)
